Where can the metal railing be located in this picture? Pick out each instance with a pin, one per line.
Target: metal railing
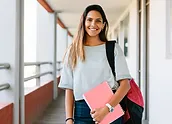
(4, 85)
(4, 66)
(38, 74)
(59, 62)
(59, 69)
(36, 63)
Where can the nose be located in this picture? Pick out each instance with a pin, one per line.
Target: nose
(93, 23)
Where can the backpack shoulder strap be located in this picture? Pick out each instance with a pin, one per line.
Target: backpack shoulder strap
(110, 47)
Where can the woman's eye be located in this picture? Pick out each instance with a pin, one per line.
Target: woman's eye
(98, 21)
(89, 20)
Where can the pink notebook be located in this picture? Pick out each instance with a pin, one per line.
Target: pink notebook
(98, 97)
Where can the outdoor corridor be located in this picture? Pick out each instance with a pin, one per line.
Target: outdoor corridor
(55, 113)
(35, 34)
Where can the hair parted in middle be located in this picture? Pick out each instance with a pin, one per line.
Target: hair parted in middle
(76, 50)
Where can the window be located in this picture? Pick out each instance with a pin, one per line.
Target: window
(126, 29)
(169, 29)
(116, 34)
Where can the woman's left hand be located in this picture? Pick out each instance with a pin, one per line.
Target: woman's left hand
(99, 113)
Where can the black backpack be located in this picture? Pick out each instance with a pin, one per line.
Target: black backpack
(133, 111)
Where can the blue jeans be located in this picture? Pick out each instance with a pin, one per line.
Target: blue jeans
(82, 114)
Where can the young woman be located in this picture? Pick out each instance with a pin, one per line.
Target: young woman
(86, 66)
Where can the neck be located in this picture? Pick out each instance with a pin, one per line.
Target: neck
(93, 41)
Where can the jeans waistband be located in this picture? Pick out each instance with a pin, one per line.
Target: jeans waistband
(82, 100)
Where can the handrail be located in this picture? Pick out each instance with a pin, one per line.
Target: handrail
(59, 62)
(37, 76)
(4, 86)
(4, 66)
(59, 69)
(36, 63)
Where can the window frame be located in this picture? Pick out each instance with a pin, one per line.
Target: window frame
(169, 29)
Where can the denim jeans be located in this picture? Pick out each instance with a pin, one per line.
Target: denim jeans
(82, 114)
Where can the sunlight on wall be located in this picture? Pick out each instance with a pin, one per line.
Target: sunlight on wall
(30, 38)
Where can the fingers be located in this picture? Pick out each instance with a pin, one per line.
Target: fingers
(93, 111)
(94, 116)
(95, 121)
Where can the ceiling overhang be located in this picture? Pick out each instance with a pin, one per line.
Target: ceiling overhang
(50, 10)
(70, 11)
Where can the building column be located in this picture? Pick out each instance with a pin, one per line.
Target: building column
(11, 49)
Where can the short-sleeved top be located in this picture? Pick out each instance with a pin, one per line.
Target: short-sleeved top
(93, 71)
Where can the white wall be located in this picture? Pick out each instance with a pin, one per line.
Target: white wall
(30, 39)
(45, 41)
(30, 32)
(160, 67)
(62, 42)
(131, 58)
(70, 39)
(7, 47)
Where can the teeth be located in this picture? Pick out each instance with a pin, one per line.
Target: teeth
(92, 29)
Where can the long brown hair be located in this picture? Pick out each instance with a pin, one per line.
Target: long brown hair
(77, 46)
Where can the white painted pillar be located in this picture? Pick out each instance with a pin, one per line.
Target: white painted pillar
(55, 58)
(11, 47)
(143, 55)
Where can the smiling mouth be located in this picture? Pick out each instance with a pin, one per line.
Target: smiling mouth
(93, 29)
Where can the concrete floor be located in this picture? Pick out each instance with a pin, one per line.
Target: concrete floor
(55, 113)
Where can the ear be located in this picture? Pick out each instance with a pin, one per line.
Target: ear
(103, 25)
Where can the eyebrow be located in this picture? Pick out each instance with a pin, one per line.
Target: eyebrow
(96, 18)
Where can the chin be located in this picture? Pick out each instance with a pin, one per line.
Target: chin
(93, 34)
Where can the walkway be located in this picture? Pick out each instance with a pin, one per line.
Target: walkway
(55, 113)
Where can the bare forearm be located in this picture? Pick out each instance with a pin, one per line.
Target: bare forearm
(120, 93)
(69, 103)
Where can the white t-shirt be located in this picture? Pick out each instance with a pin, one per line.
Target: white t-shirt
(93, 71)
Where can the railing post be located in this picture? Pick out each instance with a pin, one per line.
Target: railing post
(38, 72)
(59, 68)
(55, 58)
(19, 97)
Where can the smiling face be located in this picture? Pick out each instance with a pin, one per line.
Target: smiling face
(93, 23)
